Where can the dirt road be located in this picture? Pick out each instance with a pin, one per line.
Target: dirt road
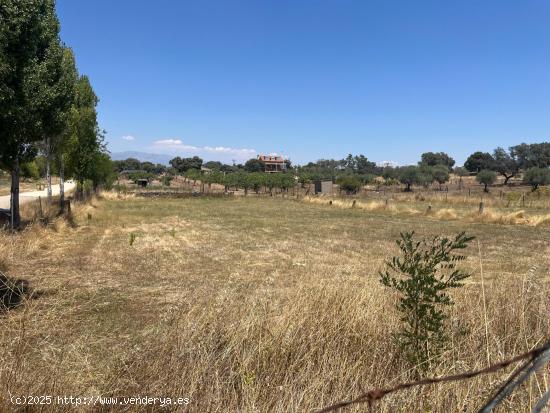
(32, 195)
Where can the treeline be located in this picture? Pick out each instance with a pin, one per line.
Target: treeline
(355, 171)
(534, 158)
(248, 181)
(47, 109)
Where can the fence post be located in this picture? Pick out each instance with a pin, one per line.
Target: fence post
(481, 207)
(11, 212)
(40, 206)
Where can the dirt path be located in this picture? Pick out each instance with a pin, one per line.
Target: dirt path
(32, 195)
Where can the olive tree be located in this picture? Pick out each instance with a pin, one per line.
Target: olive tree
(537, 177)
(486, 177)
(408, 175)
(441, 174)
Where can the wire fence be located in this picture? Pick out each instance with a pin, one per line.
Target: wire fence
(533, 361)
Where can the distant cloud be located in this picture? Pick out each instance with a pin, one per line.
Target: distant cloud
(128, 138)
(176, 146)
(169, 142)
(387, 163)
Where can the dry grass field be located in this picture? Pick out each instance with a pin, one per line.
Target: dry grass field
(256, 305)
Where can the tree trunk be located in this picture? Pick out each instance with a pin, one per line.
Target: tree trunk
(48, 170)
(15, 215)
(61, 183)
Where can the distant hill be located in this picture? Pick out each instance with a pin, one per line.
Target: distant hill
(142, 157)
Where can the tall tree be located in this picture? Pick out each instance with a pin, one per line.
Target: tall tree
(55, 80)
(27, 31)
(85, 140)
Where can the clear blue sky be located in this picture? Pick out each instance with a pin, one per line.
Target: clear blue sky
(315, 79)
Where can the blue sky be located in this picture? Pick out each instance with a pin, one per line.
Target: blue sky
(315, 79)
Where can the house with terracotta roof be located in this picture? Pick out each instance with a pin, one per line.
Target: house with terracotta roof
(272, 163)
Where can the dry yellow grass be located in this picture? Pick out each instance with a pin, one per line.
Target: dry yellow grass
(403, 207)
(255, 305)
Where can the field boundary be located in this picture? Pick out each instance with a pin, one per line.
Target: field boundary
(536, 359)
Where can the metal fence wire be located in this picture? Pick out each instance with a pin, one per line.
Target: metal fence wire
(532, 361)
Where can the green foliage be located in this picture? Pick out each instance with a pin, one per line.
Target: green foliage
(167, 179)
(29, 31)
(461, 171)
(214, 165)
(486, 177)
(136, 176)
(129, 164)
(409, 175)
(425, 176)
(30, 170)
(85, 152)
(479, 161)
(437, 158)
(422, 276)
(103, 171)
(254, 165)
(440, 174)
(132, 238)
(530, 155)
(182, 165)
(349, 183)
(505, 164)
(536, 177)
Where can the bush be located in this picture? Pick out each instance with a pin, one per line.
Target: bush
(350, 184)
(30, 170)
(422, 275)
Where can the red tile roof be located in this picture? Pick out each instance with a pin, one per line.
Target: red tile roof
(271, 158)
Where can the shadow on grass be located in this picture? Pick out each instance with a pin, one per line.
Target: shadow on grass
(13, 292)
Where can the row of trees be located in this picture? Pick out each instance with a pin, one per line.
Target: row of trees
(247, 181)
(509, 163)
(353, 172)
(46, 107)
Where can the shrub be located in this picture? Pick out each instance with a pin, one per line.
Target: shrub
(30, 170)
(350, 184)
(422, 276)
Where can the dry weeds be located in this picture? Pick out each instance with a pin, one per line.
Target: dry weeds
(255, 305)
